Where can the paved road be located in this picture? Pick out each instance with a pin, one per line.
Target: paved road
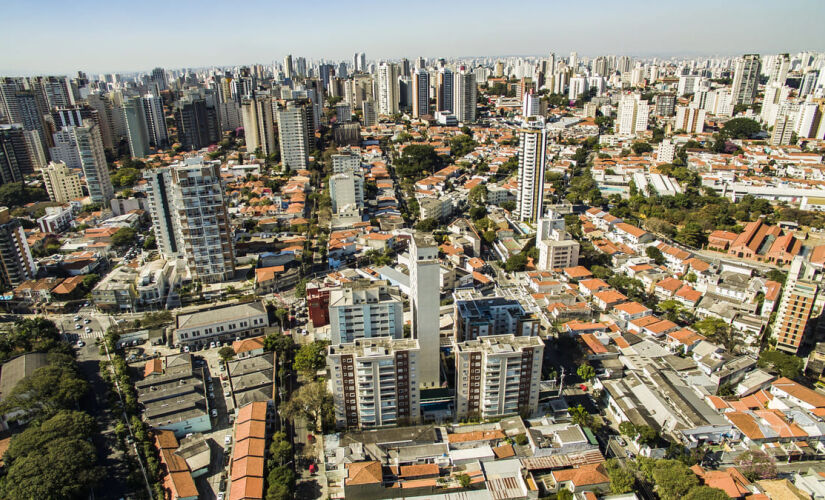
(114, 484)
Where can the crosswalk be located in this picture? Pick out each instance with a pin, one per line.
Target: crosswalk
(91, 335)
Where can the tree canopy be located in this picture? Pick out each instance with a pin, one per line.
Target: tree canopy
(741, 128)
(124, 237)
(48, 389)
(310, 358)
(417, 161)
(786, 365)
(673, 479)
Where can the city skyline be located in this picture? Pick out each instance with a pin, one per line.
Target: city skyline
(181, 36)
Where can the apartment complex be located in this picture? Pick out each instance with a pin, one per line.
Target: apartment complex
(189, 217)
(365, 309)
(478, 316)
(796, 307)
(293, 135)
(15, 256)
(557, 249)
(531, 166)
(375, 382)
(498, 375)
(62, 184)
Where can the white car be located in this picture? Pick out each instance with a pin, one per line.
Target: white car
(227, 439)
(220, 496)
(87, 321)
(77, 327)
(77, 318)
(226, 393)
(88, 330)
(80, 343)
(211, 345)
(214, 413)
(186, 348)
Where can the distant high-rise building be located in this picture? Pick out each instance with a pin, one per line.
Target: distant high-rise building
(387, 89)
(531, 159)
(421, 93)
(795, 307)
(465, 91)
(258, 124)
(197, 122)
(293, 134)
(365, 309)
(65, 149)
(93, 162)
(688, 84)
(189, 218)
(346, 191)
(24, 107)
(62, 184)
(289, 70)
(666, 151)
(632, 115)
(783, 128)
(578, 87)
(425, 303)
(137, 130)
(557, 249)
(498, 375)
(155, 121)
(530, 105)
(368, 115)
(444, 91)
(665, 104)
(691, 119)
(778, 70)
(18, 264)
(160, 79)
(374, 382)
(15, 153)
(405, 68)
(746, 79)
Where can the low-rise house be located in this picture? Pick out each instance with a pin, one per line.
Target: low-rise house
(222, 323)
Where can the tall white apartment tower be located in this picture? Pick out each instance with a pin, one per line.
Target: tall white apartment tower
(531, 164)
(365, 309)
(464, 92)
(632, 115)
(746, 79)
(387, 89)
(190, 219)
(421, 93)
(155, 121)
(425, 302)
(258, 124)
(374, 382)
(93, 161)
(293, 135)
(498, 375)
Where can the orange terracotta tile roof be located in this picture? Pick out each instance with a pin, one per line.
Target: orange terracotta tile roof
(800, 392)
(246, 345)
(464, 437)
(504, 451)
(250, 447)
(586, 475)
(248, 487)
(418, 470)
(252, 411)
(153, 366)
(247, 466)
(364, 473)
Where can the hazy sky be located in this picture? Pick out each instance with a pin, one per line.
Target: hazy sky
(63, 36)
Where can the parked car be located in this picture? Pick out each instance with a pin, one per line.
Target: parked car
(211, 345)
(227, 439)
(80, 343)
(214, 413)
(77, 318)
(87, 321)
(88, 330)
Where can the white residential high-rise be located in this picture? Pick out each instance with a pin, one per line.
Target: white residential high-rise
(65, 149)
(93, 162)
(365, 309)
(258, 124)
(346, 161)
(531, 165)
(784, 126)
(134, 121)
(557, 249)
(498, 375)
(632, 115)
(776, 96)
(530, 105)
(809, 121)
(465, 92)
(346, 191)
(425, 303)
(688, 84)
(578, 87)
(421, 93)
(293, 135)
(445, 90)
(62, 184)
(289, 70)
(666, 151)
(778, 69)
(155, 121)
(189, 217)
(374, 382)
(691, 119)
(746, 79)
(17, 264)
(387, 89)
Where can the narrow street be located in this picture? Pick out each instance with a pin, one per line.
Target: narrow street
(114, 485)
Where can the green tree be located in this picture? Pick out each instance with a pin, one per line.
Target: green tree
(673, 479)
(691, 235)
(579, 415)
(786, 365)
(641, 147)
(281, 314)
(280, 449)
(621, 478)
(308, 402)
(586, 372)
(426, 225)
(464, 480)
(478, 194)
(124, 236)
(706, 493)
(462, 144)
(149, 243)
(55, 459)
(283, 345)
(301, 287)
(281, 481)
(647, 435)
(655, 254)
(310, 358)
(741, 128)
(226, 353)
(628, 429)
(48, 389)
(516, 263)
